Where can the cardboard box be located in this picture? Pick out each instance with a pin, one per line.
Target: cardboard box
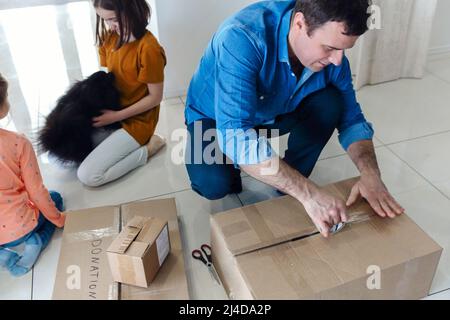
(139, 251)
(83, 271)
(271, 250)
(171, 282)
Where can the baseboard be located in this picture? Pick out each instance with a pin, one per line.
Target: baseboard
(438, 53)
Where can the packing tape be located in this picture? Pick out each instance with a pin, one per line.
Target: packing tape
(258, 224)
(281, 257)
(95, 234)
(90, 235)
(130, 293)
(113, 291)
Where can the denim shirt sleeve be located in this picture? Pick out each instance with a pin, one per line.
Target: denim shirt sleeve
(238, 61)
(353, 126)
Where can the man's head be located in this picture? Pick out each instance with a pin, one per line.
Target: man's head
(322, 29)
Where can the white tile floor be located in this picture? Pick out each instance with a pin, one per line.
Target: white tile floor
(411, 117)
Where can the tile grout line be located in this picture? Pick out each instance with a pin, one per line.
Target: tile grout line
(382, 144)
(164, 194)
(438, 292)
(418, 173)
(437, 76)
(32, 283)
(240, 200)
(416, 138)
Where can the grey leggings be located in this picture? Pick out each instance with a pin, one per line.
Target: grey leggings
(116, 154)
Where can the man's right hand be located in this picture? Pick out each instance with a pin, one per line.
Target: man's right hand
(325, 210)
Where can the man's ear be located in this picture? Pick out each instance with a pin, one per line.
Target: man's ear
(299, 21)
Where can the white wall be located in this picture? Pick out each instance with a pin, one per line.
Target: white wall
(185, 28)
(440, 38)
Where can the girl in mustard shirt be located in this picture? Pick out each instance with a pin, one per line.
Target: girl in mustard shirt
(28, 212)
(133, 54)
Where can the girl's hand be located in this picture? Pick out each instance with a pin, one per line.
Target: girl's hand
(107, 117)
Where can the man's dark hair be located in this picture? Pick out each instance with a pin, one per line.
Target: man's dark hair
(353, 13)
(3, 90)
(133, 17)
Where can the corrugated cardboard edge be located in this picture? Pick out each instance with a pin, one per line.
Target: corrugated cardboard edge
(225, 264)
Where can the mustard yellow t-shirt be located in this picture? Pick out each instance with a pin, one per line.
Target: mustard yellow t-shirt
(134, 65)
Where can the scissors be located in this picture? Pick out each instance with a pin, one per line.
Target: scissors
(204, 255)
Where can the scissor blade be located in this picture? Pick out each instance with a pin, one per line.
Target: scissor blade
(214, 275)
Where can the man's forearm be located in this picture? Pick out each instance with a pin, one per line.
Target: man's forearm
(283, 177)
(363, 156)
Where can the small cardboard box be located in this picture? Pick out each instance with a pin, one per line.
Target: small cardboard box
(83, 271)
(139, 251)
(271, 250)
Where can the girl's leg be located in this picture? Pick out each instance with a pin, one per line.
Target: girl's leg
(35, 242)
(8, 257)
(155, 144)
(33, 247)
(114, 157)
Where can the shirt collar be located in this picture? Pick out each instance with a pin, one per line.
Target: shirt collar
(283, 54)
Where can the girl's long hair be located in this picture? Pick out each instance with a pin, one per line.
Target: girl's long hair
(133, 17)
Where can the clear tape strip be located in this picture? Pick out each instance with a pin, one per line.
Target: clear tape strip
(90, 235)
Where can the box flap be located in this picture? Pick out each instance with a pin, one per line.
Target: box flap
(275, 221)
(127, 235)
(139, 233)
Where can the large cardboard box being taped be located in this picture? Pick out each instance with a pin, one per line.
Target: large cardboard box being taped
(83, 271)
(271, 250)
(141, 248)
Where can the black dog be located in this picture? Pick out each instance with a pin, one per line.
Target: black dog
(68, 129)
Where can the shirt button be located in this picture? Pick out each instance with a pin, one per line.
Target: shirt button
(261, 98)
(293, 74)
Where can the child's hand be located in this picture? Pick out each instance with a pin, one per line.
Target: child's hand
(61, 221)
(106, 118)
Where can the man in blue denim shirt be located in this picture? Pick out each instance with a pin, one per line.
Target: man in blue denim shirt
(280, 65)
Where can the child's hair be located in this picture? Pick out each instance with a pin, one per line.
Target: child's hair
(133, 17)
(3, 90)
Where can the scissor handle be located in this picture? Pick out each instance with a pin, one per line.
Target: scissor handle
(207, 251)
(197, 254)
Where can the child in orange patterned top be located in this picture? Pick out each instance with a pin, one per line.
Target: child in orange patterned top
(28, 212)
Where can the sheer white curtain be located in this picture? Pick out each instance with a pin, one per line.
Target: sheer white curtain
(399, 48)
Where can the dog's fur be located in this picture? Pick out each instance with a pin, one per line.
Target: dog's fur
(68, 129)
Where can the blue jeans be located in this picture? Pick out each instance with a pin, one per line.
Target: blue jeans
(44, 227)
(310, 126)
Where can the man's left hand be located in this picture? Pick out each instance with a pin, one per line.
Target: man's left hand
(372, 188)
